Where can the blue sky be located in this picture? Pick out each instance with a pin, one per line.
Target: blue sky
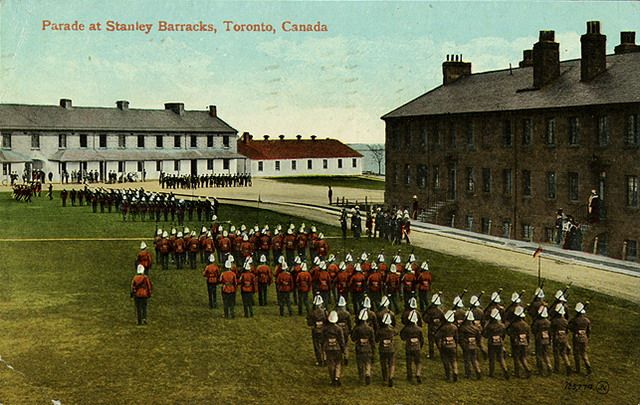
(375, 57)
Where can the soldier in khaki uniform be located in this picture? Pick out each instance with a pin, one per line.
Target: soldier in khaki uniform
(495, 333)
(541, 331)
(387, 351)
(580, 327)
(470, 336)
(344, 321)
(560, 339)
(364, 339)
(384, 309)
(333, 344)
(434, 317)
(520, 332)
(316, 320)
(447, 342)
(414, 340)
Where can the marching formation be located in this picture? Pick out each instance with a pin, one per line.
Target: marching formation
(193, 181)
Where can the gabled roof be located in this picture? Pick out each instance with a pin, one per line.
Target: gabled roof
(295, 149)
(499, 90)
(46, 117)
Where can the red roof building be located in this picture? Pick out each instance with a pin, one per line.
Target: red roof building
(298, 157)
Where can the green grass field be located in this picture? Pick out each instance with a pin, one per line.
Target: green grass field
(67, 327)
(335, 181)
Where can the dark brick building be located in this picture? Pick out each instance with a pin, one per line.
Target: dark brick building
(500, 152)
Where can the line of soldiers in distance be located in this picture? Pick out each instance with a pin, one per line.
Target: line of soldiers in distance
(134, 204)
(448, 330)
(188, 181)
(26, 191)
(383, 224)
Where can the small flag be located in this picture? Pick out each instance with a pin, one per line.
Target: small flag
(538, 252)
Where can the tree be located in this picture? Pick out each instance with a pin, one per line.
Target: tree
(378, 154)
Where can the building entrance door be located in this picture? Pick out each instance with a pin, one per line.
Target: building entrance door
(194, 167)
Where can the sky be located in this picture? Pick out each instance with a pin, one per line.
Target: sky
(375, 56)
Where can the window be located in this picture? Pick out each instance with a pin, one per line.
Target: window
(6, 169)
(140, 166)
(469, 133)
(277, 165)
(225, 141)
(339, 163)
(603, 130)
(140, 141)
(354, 162)
(436, 177)
(527, 232)
(470, 181)
(176, 141)
(193, 141)
(574, 133)
(424, 138)
(176, 165)
(309, 164)
(158, 165)
(632, 191)
(260, 166)
(407, 174)
(551, 132)
(507, 135)
(407, 136)
(632, 250)
(573, 186)
(62, 141)
(209, 164)
(121, 166)
(35, 141)
(486, 179)
(632, 134)
(209, 141)
(294, 164)
(122, 141)
(421, 175)
(551, 185)
(486, 226)
(436, 134)
(225, 164)
(469, 222)
(325, 164)
(507, 181)
(159, 141)
(527, 131)
(6, 141)
(102, 140)
(452, 135)
(83, 140)
(526, 183)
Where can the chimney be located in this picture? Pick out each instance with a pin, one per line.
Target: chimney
(627, 43)
(246, 137)
(266, 137)
(527, 58)
(594, 52)
(454, 68)
(177, 108)
(122, 105)
(313, 137)
(281, 137)
(546, 60)
(298, 137)
(213, 111)
(65, 103)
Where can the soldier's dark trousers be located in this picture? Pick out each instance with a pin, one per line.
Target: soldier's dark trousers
(356, 300)
(164, 258)
(262, 294)
(393, 299)
(423, 298)
(303, 301)
(388, 365)
(192, 260)
(580, 355)
(229, 303)
(247, 303)
(431, 337)
(449, 361)
(376, 297)
(325, 297)
(334, 363)
(364, 366)
(560, 352)
(316, 338)
(211, 292)
(543, 362)
(141, 309)
(414, 365)
(471, 362)
(284, 299)
(496, 353)
(520, 359)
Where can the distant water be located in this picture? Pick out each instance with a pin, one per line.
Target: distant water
(369, 162)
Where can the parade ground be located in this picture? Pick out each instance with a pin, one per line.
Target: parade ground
(68, 330)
